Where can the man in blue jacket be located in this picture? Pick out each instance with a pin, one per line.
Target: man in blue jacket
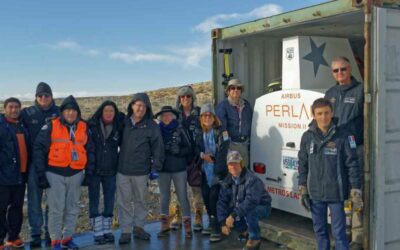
(13, 172)
(243, 202)
(328, 169)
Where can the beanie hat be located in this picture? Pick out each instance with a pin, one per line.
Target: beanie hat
(207, 107)
(43, 88)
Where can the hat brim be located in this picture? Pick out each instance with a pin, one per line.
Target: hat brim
(165, 111)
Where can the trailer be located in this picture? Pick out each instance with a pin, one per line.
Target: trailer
(255, 52)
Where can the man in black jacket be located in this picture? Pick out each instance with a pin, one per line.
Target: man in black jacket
(13, 170)
(328, 169)
(33, 118)
(347, 98)
(142, 150)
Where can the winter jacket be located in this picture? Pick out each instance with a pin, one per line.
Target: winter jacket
(239, 130)
(328, 164)
(106, 148)
(142, 146)
(348, 107)
(43, 142)
(177, 149)
(242, 198)
(10, 172)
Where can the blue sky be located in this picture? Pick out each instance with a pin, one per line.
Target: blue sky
(115, 47)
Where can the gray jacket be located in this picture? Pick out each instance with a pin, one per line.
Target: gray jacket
(142, 146)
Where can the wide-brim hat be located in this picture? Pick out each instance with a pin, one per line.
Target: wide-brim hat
(166, 109)
(235, 83)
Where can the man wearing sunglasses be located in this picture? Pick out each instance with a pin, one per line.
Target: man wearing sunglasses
(347, 98)
(236, 116)
(34, 118)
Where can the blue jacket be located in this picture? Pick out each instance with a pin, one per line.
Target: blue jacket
(10, 173)
(241, 198)
(328, 164)
(229, 117)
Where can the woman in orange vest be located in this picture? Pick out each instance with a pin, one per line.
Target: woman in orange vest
(62, 151)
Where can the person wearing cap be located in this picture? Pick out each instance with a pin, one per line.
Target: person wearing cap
(189, 118)
(106, 132)
(236, 116)
(63, 150)
(243, 202)
(33, 118)
(212, 147)
(328, 171)
(177, 148)
(14, 141)
(142, 150)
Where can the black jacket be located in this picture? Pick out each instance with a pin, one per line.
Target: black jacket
(348, 107)
(142, 146)
(178, 149)
(241, 198)
(328, 164)
(106, 148)
(10, 173)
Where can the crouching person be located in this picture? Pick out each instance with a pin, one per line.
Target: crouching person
(62, 150)
(328, 168)
(243, 202)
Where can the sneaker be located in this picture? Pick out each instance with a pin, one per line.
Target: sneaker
(252, 245)
(140, 233)
(109, 238)
(206, 231)
(36, 241)
(125, 238)
(69, 244)
(215, 237)
(18, 243)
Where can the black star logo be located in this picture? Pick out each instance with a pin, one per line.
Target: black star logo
(316, 56)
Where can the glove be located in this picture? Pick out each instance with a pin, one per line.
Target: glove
(86, 180)
(356, 199)
(153, 175)
(305, 198)
(43, 183)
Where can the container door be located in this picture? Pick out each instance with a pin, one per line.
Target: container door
(385, 172)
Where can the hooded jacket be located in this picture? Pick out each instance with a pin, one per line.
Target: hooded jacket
(328, 164)
(10, 173)
(142, 146)
(348, 107)
(43, 142)
(106, 148)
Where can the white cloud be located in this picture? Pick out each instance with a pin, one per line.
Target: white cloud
(226, 19)
(69, 45)
(74, 46)
(132, 57)
(192, 55)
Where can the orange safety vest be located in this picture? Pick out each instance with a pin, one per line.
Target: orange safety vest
(62, 148)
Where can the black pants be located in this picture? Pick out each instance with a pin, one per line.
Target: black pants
(210, 196)
(11, 203)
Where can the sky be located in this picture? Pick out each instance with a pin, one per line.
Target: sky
(119, 47)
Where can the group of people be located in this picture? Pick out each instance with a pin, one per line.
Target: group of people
(51, 150)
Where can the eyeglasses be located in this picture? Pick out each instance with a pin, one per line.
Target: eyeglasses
(235, 88)
(44, 95)
(187, 96)
(344, 69)
(207, 116)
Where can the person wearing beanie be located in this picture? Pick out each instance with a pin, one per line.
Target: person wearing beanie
(63, 150)
(212, 148)
(189, 118)
(142, 150)
(243, 202)
(106, 132)
(177, 148)
(33, 118)
(236, 116)
(14, 140)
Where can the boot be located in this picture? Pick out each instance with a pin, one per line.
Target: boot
(188, 227)
(125, 238)
(252, 245)
(107, 230)
(140, 233)
(164, 231)
(198, 220)
(97, 227)
(216, 230)
(175, 212)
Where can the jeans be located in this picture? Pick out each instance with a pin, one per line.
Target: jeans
(108, 184)
(338, 223)
(11, 203)
(36, 216)
(250, 221)
(179, 179)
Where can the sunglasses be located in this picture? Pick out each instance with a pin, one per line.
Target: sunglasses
(235, 88)
(344, 69)
(207, 115)
(187, 96)
(44, 95)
